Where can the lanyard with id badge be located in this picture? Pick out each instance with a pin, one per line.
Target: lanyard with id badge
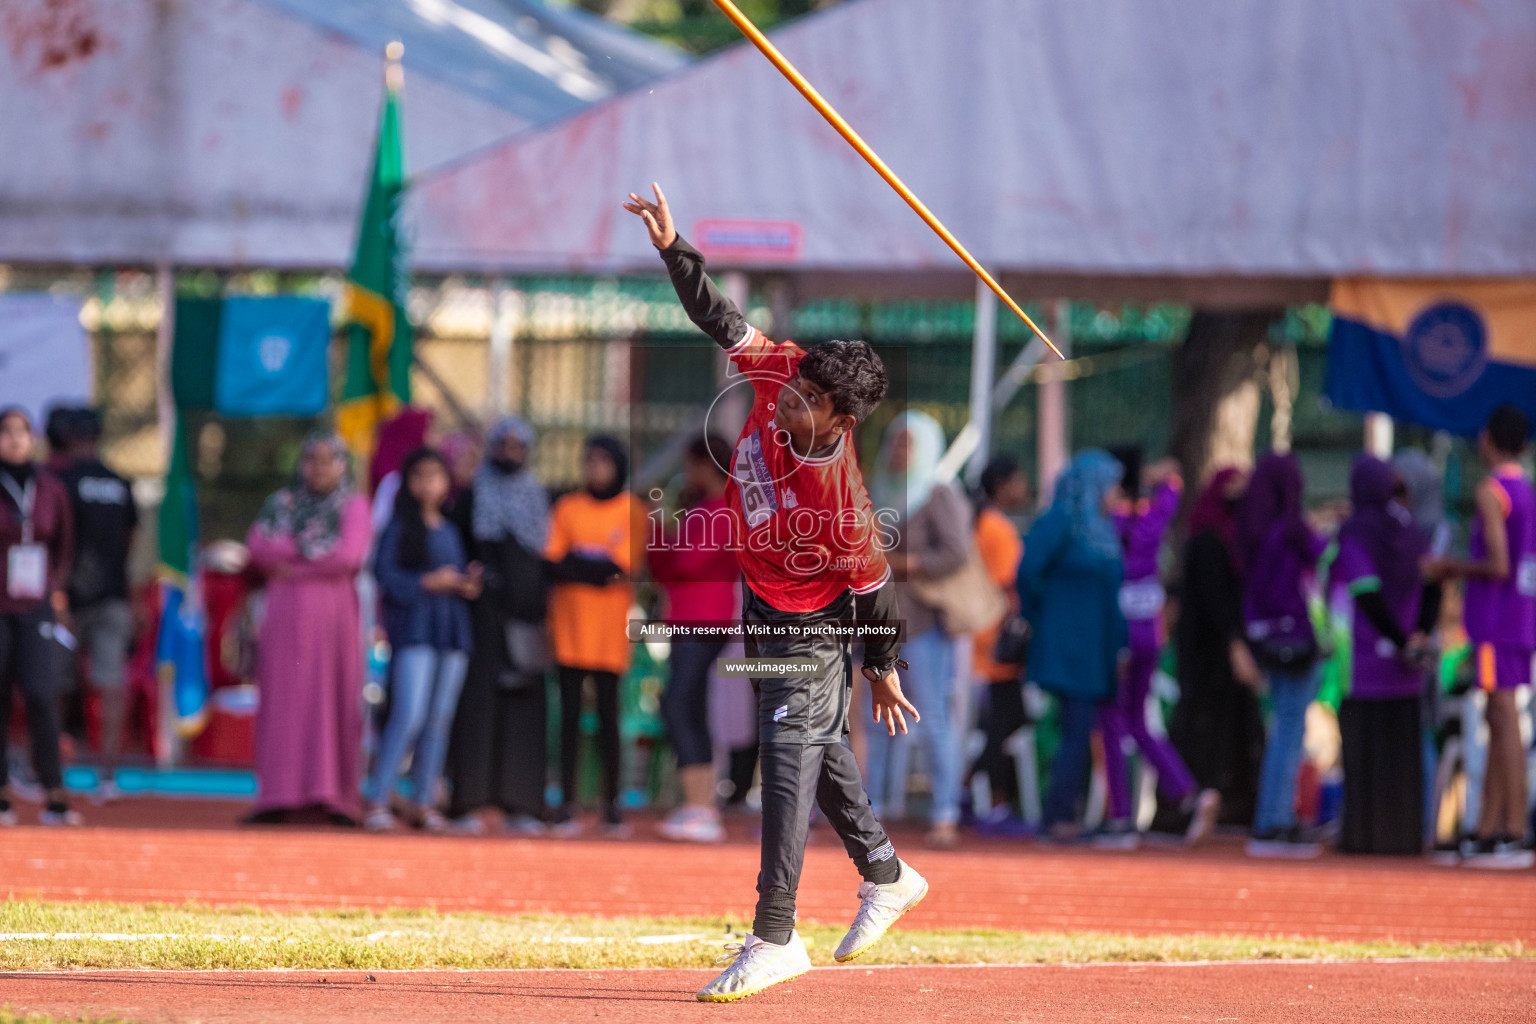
(26, 563)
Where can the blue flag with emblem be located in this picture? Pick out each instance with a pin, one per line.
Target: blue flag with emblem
(1440, 353)
(272, 356)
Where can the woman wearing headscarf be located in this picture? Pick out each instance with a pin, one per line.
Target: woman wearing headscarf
(309, 542)
(932, 523)
(36, 552)
(497, 753)
(1380, 548)
(1069, 589)
(592, 533)
(1216, 726)
(1280, 556)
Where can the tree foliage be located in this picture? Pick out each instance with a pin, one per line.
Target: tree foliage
(698, 25)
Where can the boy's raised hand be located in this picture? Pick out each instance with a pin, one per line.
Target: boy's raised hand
(657, 217)
(889, 703)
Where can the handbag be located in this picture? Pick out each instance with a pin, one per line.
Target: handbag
(527, 654)
(967, 601)
(1012, 647)
(1283, 645)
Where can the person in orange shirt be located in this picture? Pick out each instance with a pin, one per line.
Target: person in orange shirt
(590, 533)
(1005, 490)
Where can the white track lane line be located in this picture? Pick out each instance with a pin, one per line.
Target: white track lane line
(643, 940)
(848, 968)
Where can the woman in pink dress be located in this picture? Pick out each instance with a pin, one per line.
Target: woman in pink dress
(310, 541)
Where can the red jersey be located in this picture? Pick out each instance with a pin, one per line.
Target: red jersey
(804, 527)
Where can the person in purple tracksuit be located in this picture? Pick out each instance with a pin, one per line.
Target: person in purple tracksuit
(1499, 610)
(1379, 551)
(1142, 523)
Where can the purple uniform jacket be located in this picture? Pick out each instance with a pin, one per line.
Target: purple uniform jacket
(1503, 612)
(1377, 672)
(1142, 527)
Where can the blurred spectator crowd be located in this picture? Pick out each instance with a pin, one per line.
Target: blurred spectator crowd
(442, 643)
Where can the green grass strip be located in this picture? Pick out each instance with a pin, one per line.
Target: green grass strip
(203, 938)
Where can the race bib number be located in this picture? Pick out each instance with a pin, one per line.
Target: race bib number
(27, 571)
(1142, 600)
(1525, 576)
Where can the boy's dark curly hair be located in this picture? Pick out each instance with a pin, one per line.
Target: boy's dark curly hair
(850, 372)
(1508, 429)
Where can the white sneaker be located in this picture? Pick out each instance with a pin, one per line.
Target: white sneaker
(571, 829)
(106, 792)
(693, 825)
(467, 825)
(1203, 823)
(525, 825)
(1125, 838)
(756, 965)
(880, 906)
(1504, 856)
(379, 819)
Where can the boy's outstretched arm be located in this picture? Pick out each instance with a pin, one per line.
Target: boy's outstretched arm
(713, 313)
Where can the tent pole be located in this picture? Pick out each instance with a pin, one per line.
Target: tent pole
(168, 745)
(165, 335)
(504, 303)
(1052, 440)
(1008, 385)
(983, 369)
(1378, 434)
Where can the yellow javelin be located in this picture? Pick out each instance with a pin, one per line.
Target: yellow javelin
(835, 119)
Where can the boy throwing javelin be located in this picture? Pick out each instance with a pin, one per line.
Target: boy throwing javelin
(806, 539)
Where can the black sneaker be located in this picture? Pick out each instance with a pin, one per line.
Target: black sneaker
(1283, 844)
(7, 816)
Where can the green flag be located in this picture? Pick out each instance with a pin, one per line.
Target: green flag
(177, 522)
(378, 379)
(180, 648)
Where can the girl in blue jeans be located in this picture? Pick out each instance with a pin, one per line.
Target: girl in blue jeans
(425, 584)
(1281, 553)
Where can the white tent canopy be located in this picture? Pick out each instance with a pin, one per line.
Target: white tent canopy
(240, 132)
(1150, 140)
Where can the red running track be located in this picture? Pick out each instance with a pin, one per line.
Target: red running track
(1012, 886)
(1276, 993)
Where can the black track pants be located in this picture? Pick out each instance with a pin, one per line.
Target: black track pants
(806, 762)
